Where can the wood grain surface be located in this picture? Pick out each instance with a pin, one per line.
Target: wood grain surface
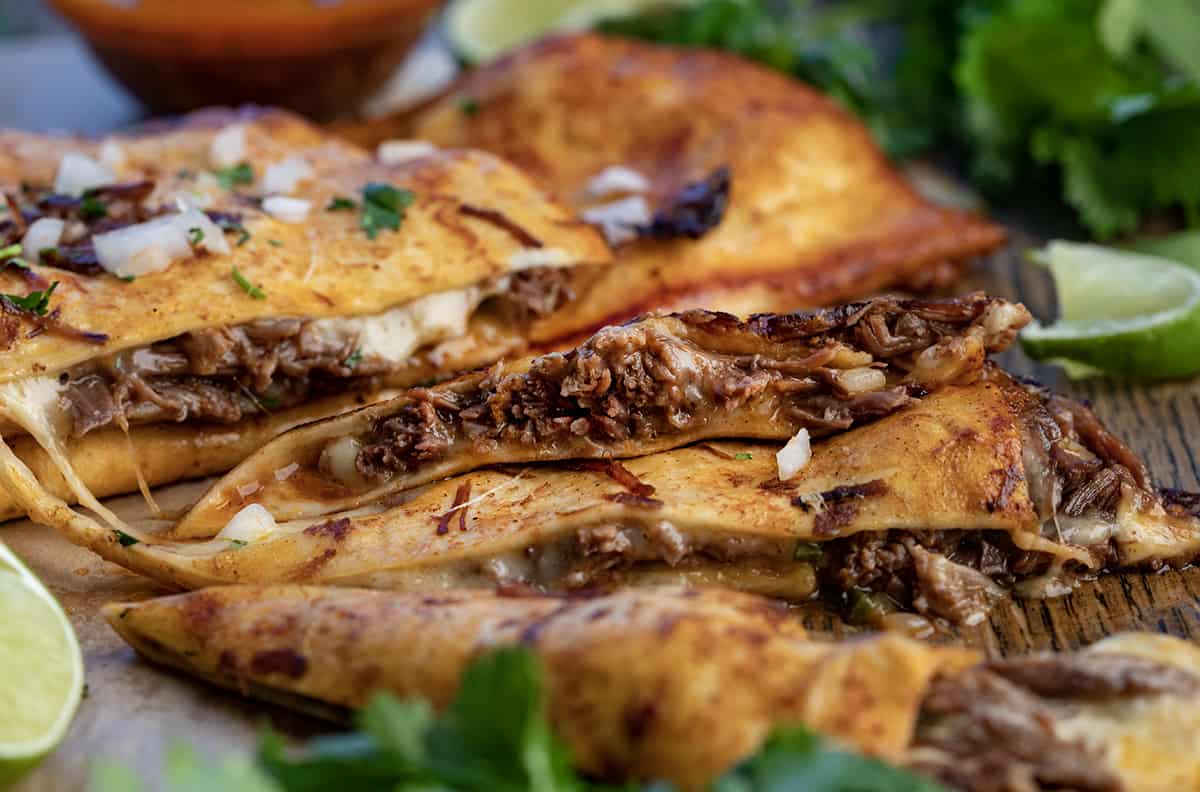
(133, 711)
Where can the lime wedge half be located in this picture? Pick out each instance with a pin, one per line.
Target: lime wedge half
(41, 669)
(479, 30)
(1121, 313)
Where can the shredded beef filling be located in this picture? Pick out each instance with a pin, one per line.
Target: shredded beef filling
(979, 732)
(824, 371)
(952, 575)
(992, 728)
(224, 374)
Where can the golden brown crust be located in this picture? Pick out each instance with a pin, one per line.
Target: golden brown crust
(324, 266)
(816, 212)
(649, 684)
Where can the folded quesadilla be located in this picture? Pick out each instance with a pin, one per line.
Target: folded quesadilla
(248, 272)
(950, 484)
(630, 390)
(679, 686)
(722, 184)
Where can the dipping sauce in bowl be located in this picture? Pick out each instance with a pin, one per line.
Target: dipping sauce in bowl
(322, 58)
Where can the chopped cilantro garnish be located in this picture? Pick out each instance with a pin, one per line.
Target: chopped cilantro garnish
(238, 542)
(468, 105)
(247, 286)
(354, 359)
(35, 302)
(228, 225)
(269, 402)
(92, 208)
(12, 251)
(185, 173)
(383, 207)
(229, 178)
(339, 203)
(743, 456)
(195, 235)
(124, 539)
(274, 243)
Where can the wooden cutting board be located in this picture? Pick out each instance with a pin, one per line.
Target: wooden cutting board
(133, 712)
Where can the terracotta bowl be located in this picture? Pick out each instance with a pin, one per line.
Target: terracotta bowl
(319, 57)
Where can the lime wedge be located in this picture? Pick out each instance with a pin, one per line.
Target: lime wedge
(41, 669)
(1122, 313)
(479, 30)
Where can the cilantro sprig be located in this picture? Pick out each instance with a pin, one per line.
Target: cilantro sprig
(495, 737)
(234, 175)
(246, 286)
(92, 208)
(383, 207)
(37, 302)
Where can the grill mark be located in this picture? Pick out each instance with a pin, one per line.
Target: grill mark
(503, 222)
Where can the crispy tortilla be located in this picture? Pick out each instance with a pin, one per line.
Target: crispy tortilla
(647, 685)
(937, 506)
(670, 685)
(648, 385)
(476, 225)
(816, 213)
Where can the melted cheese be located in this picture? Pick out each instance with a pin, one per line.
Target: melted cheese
(33, 404)
(393, 336)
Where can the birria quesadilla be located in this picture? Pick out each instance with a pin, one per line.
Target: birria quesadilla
(949, 484)
(656, 145)
(663, 684)
(174, 297)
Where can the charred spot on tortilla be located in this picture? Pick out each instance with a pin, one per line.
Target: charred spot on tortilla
(697, 209)
(501, 221)
(334, 529)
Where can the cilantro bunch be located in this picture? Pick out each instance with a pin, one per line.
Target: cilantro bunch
(494, 738)
(1100, 99)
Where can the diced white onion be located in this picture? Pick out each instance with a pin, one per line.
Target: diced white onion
(45, 232)
(861, 380)
(615, 180)
(289, 210)
(142, 248)
(212, 238)
(394, 152)
(619, 220)
(792, 458)
(112, 155)
(152, 246)
(78, 173)
(228, 148)
(338, 461)
(252, 524)
(283, 177)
